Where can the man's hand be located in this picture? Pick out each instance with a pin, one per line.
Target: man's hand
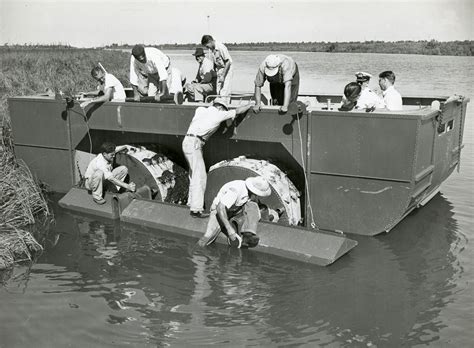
(85, 103)
(158, 97)
(283, 109)
(257, 108)
(136, 97)
(202, 242)
(131, 187)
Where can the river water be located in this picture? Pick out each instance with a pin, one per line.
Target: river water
(100, 283)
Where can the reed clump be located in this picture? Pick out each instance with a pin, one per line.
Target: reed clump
(28, 71)
(21, 202)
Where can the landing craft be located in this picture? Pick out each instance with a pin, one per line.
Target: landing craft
(331, 172)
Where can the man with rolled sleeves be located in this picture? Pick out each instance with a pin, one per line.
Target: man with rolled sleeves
(282, 73)
(222, 64)
(100, 169)
(204, 123)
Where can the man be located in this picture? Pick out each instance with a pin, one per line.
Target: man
(222, 64)
(391, 97)
(175, 83)
(108, 84)
(205, 82)
(235, 198)
(282, 73)
(100, 168)
(204, 123)
(368, 99)
(149, 74)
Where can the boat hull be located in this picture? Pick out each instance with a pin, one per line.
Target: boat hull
(357, 172)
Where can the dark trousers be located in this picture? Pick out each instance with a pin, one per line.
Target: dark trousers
(277, 90)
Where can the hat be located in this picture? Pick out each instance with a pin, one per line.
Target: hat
(272, 62)
(222, 102)
(362, 76)
(258, 185)
(138, 50)
(199, 52)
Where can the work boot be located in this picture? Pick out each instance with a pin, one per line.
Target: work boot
(99, 201)
(178, 98)
(199, 214)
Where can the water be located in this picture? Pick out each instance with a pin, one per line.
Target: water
(99, 283)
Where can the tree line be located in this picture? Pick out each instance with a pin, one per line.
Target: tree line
(431, 47)
(427, 47)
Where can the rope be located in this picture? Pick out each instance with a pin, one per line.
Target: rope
(86, 121)
(313, 223)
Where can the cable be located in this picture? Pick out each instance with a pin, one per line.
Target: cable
(313, 223)
(86, 121)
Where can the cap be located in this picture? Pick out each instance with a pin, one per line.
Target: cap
(222, 102)
(362, 76)
(138, 50)
(199, 52)
(272, 62)
(258, 185)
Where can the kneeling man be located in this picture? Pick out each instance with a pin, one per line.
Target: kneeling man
(238, 197)
(100, 168)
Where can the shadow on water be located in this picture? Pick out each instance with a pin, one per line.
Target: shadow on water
(387, 292)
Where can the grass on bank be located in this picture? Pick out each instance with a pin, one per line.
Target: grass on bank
(26, 72)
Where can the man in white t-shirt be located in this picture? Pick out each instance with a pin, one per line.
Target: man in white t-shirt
(100, 169)
(149, 74)
(367, 99)
(204, 123)
(391, 97)
(235, 198)
(222, 64)
(109, 85)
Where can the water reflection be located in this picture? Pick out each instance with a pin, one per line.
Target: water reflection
(146, 288)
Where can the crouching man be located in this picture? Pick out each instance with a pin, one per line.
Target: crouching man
(100, 168)
(236, 199)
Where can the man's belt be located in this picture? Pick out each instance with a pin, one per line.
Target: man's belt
(196, 136)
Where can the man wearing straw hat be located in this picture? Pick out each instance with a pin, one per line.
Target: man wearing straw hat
(282, 73)
(236, 198)
(204, 123)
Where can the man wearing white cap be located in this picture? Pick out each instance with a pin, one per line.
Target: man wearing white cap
(204, 123)
(282, 73)
(149, 74)
(367, 99)
(236, 198)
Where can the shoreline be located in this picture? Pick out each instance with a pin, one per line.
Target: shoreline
(424, 47)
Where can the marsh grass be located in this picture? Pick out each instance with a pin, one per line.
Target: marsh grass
(21, 203)
(28, 71)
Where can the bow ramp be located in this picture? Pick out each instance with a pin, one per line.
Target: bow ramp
(297, 243)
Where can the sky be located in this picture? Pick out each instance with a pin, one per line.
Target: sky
(92, 23)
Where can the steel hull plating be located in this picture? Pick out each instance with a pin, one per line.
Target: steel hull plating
(357, 172)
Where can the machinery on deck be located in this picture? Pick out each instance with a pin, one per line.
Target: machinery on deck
(330, 171)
